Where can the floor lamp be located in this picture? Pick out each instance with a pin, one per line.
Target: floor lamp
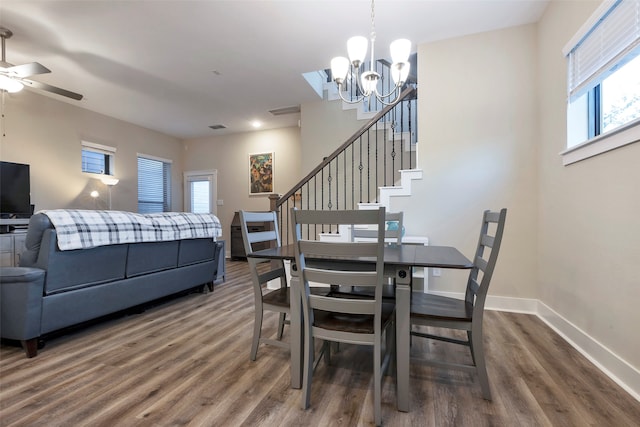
(109, 181)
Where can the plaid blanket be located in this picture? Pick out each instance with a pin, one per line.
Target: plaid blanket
(81, 229)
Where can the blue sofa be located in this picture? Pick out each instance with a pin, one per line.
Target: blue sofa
(53, 289)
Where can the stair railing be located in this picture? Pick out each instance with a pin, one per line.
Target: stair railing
(371, 158)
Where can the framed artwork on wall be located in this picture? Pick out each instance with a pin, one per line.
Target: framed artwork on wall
(261, 173)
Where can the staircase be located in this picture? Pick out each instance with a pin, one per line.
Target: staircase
(375, 164)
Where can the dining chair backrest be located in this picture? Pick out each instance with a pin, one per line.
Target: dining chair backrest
(485, 258)
(339, 317)
(337, 272)
(267, 234)
(393, 229)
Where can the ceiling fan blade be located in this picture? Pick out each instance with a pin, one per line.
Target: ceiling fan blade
(52, 89)
(27, 70)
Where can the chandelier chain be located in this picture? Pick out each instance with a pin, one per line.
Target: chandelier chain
(373, 21)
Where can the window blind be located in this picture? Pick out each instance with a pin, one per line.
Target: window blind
(154, 185)
(612, 33)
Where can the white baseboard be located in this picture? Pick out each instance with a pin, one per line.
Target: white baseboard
(607, 361)
(604, 359)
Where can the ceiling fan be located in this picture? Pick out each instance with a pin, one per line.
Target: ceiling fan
(13, 77)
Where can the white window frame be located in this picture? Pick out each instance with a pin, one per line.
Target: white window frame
(619, 137)
(102, 149)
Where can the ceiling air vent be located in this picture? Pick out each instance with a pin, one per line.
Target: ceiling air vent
(216, 127)
(285, 110)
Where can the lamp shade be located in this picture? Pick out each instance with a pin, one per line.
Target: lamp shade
(400, 72)
(400, 50)
(339, 68)
(10, 85)
(357, 49)
(109, 180)
(369, 82)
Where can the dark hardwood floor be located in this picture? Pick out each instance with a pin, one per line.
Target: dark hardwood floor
(186, 362)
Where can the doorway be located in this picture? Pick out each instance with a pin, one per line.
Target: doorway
(201, 191)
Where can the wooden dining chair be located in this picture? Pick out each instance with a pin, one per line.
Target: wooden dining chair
(276, 300)
(336, 317)
(451, 313)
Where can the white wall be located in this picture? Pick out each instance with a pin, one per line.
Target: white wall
(589, 212)
(46, 133)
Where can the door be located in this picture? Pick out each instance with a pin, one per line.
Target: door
(201, 191)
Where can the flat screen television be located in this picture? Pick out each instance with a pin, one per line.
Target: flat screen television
(15, 190)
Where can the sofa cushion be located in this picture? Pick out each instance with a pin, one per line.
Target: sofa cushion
(68, 270)
(150, 257)
(195, 250)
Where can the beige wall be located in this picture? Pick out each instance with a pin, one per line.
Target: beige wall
(229, 156)
(589, 212)
(492, 120)
(325, 126)
(478, 150)
(47, 133)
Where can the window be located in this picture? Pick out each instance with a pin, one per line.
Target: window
(97, 158)
(604, 81)
(154, 184)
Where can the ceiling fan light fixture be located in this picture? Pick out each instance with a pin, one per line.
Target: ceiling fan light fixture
(10, 85)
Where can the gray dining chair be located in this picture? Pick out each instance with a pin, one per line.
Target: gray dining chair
(336, 317)
(392, 234)
(276, 300)
(467, 315)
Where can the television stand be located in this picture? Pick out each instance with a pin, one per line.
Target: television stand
(12, 243)
(7, 225)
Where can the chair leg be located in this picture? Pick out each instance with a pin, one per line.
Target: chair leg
(391, 347)
(257, 328)
(307, 371)
(377, 381)
(478, 355)
(283, 317)
(470, 339)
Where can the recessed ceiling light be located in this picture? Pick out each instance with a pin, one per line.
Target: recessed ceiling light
(256, 124)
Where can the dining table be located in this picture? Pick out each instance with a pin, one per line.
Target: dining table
(400, 261)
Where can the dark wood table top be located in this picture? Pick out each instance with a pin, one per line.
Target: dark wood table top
(408, 255)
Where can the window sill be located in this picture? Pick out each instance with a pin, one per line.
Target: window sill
(624, 135)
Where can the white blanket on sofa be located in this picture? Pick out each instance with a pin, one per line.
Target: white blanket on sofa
(82, 229)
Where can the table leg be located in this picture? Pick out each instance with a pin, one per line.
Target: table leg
(403, 329)
(295, 328)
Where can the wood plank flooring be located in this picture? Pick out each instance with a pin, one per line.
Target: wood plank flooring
(186, 362)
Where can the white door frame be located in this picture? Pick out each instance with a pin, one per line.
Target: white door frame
(212, 177)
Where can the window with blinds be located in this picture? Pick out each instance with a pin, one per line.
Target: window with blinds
(154, 185)
(97, 158)
(603, 81)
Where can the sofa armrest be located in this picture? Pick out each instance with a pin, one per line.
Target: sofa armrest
(21, 291)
